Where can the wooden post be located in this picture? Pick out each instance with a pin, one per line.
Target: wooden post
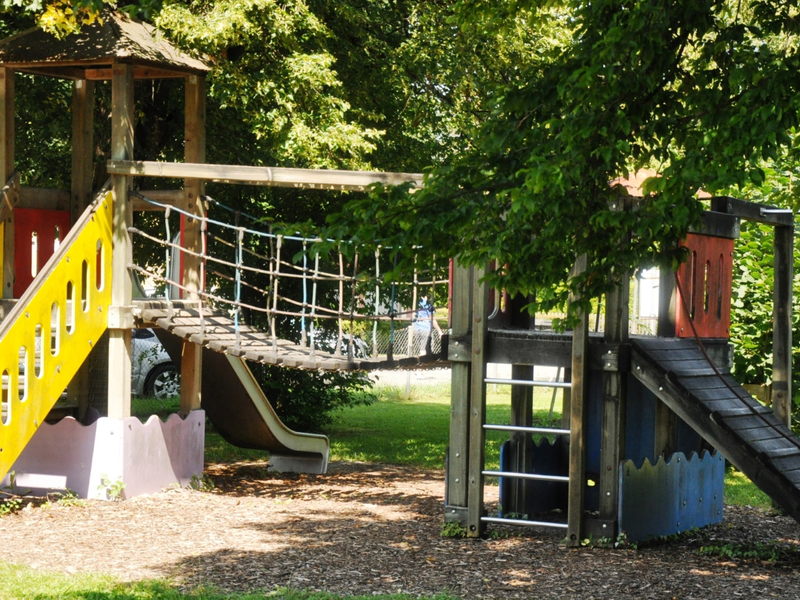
(612, 448)
(6, 169)
(459, 355)
(120, 318)
(477, 406)
(521, 413)
(81, 196)
(577, 458)
(782, 324)
(195, 152)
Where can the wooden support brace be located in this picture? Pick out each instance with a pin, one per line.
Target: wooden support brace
(612, 449)
(456, 501)
(577, 450)
(782, 324)
(477, 406)
(6, 169)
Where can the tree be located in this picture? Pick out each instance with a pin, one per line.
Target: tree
(679, 86)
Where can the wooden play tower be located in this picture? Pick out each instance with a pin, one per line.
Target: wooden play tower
(646, 419)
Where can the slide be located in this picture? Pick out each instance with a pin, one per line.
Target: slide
(242, 414)
(720, 410)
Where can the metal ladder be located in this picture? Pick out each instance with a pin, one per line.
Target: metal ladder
(531, 430)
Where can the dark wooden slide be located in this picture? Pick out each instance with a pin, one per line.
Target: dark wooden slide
(720, 410)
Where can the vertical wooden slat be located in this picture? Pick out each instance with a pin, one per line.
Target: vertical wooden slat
(195, 152)
(522, 415)
(577, 458)
(6, 169)
(81, 196)
(477, 405)
(119, 338)
(782, 324)
(459, 393)
(612, 449)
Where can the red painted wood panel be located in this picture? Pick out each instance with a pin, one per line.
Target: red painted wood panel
(44, 223)
(706, 280)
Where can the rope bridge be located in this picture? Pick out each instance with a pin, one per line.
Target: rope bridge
(342, 307)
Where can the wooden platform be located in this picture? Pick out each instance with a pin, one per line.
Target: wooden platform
(216, 331)
(720, 410)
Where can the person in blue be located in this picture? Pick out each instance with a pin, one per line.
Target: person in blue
(424, 320)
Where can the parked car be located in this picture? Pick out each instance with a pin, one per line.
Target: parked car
(152, 371)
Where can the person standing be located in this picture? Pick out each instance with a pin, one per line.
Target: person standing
(424, 322)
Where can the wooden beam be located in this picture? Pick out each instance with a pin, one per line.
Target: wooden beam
(477, 406)
(82, 146)
(119, 340)
(667, 303)
(321, 179)
(753, 211)
(138, 73)
(577, 450)
(44, 198)
(457, 473)
(6, 169)
(73, 73)
(168, 197)
(782, 324)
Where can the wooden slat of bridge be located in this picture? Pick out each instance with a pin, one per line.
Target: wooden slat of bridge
(216, 331)
(745, 431)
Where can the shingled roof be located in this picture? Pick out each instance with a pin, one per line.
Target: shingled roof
(118, 39)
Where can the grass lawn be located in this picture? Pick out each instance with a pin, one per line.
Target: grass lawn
(23, 583)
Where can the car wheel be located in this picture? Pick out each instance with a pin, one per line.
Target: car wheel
(163, 382)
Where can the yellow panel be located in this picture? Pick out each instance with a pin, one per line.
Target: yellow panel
(74, 333)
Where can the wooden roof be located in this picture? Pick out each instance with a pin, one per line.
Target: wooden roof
(90, 53)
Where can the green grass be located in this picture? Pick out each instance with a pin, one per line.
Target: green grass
(23, 583)
(415, 430)
(741, 491)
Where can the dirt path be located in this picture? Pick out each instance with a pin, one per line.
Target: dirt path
(374, 528)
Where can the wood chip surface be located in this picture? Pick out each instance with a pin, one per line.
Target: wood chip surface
(365, 528)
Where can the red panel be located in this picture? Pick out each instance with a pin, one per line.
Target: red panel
(706, 279)
(44, 224)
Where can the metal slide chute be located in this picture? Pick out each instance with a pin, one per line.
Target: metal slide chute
(49, 333)
(242, 414)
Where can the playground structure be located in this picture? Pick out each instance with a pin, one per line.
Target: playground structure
(641, 415)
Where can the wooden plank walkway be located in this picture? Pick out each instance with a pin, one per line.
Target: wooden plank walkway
(216, 331)
(720, 410)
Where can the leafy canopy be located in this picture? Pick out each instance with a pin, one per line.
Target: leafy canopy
(701, 91)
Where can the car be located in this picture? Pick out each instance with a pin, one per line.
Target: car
(152, 371)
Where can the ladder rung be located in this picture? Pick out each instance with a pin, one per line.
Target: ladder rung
(524, 522)
(528, 382)
(534, 476)
(520, 428)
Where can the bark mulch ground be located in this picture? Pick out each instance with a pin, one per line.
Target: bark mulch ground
(366, 528)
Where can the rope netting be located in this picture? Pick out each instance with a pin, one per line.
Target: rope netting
(334, 297)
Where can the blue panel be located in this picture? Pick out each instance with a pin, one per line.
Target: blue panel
(542, 496)
(671, 497)
(640, 423)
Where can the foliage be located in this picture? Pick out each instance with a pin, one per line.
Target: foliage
(201, 484)
(67, 498)
(307, 401)
(678, 86)
(111, 488)
(9, 506)
(761, 552)
(453, 529)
